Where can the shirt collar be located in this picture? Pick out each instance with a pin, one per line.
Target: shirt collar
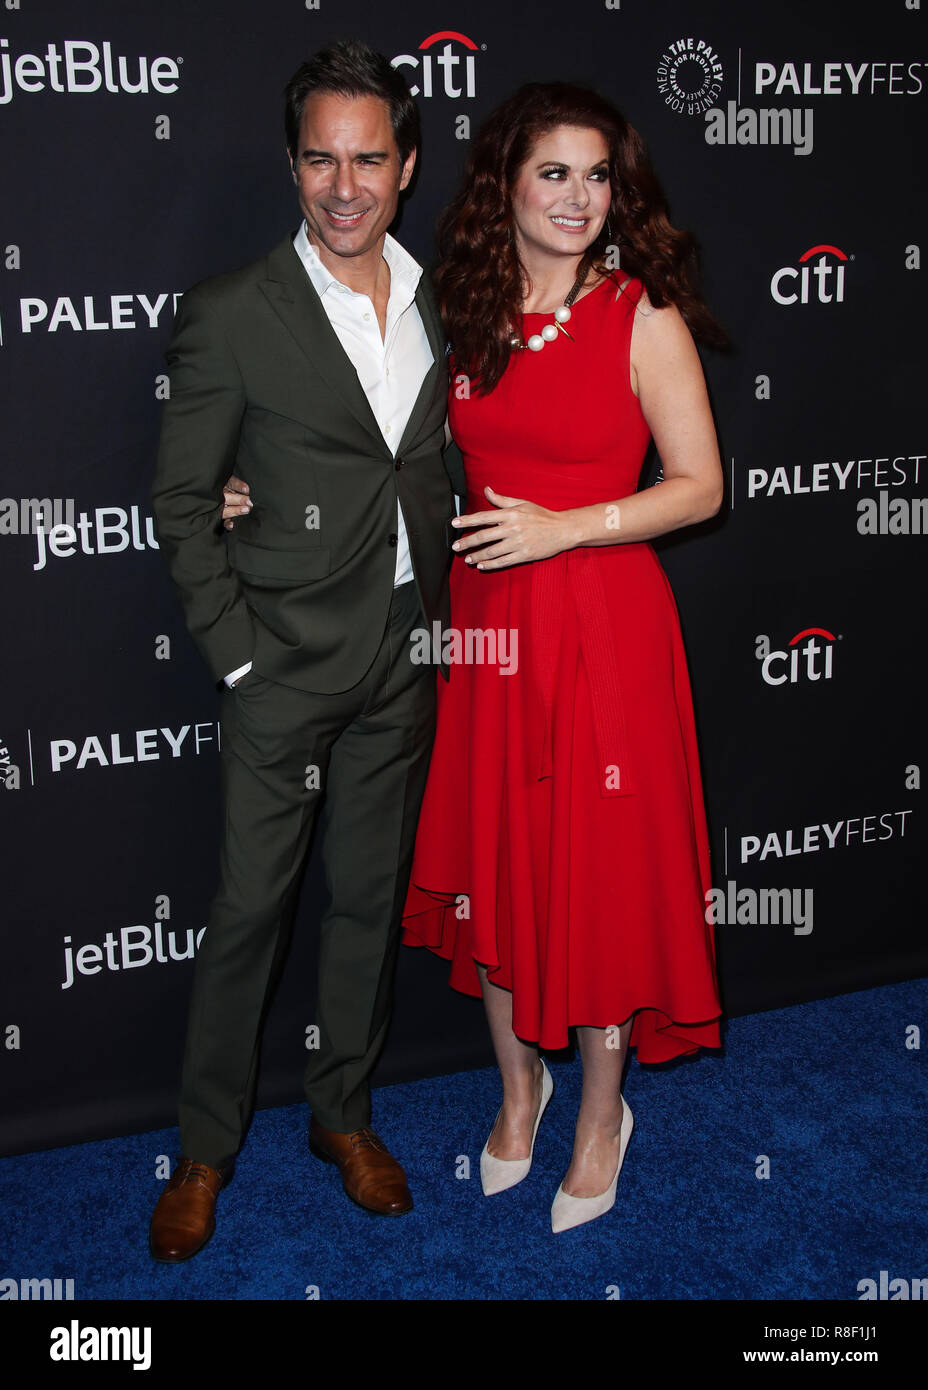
(404, 270)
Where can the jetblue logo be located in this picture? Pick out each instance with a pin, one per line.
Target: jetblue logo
(77, 67)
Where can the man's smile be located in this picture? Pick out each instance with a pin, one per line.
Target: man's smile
(345, 220)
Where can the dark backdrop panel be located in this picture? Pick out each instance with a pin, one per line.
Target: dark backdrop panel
(116, 201)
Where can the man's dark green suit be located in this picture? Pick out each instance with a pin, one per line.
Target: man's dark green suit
(333, 715)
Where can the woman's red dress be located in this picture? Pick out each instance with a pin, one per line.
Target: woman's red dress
(562, 841)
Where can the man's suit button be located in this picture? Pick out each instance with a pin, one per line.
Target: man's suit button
(393, 540)
(400, 463)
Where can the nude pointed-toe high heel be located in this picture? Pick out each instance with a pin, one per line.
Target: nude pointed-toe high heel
(567, 1211)
(496, 1174)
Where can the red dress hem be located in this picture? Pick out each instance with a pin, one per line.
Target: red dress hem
(651, 1039)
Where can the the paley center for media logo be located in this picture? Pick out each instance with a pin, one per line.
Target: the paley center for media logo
(690, 77)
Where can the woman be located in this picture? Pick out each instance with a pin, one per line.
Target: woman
(562, 855)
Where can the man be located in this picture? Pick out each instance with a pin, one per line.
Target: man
(318, 376)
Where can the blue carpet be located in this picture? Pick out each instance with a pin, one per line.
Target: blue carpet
(827, 1091)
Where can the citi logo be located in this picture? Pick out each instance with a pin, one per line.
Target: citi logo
(79, 67)
(810, 657)
(783, 284)
(447, 61)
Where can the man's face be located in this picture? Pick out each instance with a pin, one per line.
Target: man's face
(348, 173)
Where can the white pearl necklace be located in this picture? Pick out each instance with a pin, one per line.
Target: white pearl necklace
(561, 316)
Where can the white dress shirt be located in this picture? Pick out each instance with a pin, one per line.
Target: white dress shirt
(391, 369)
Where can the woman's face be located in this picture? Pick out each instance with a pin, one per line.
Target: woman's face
(561, 196)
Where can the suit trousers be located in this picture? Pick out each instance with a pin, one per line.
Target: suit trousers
(358, 760)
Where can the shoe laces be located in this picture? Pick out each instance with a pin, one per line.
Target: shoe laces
(197, 1172)
(366, 1139)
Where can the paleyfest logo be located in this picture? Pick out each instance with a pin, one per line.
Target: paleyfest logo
(451, 73)
(689, 76)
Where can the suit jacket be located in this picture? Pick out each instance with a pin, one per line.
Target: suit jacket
(261, 386)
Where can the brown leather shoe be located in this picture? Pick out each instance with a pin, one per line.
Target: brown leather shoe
(371, 1176)
(184, 1219)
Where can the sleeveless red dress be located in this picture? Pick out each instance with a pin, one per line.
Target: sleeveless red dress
(562, 840)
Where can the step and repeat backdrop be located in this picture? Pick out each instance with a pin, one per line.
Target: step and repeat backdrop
(142, 150)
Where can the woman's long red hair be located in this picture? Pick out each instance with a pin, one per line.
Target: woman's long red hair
(480, 282)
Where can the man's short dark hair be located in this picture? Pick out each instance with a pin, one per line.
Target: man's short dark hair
(352, 69)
